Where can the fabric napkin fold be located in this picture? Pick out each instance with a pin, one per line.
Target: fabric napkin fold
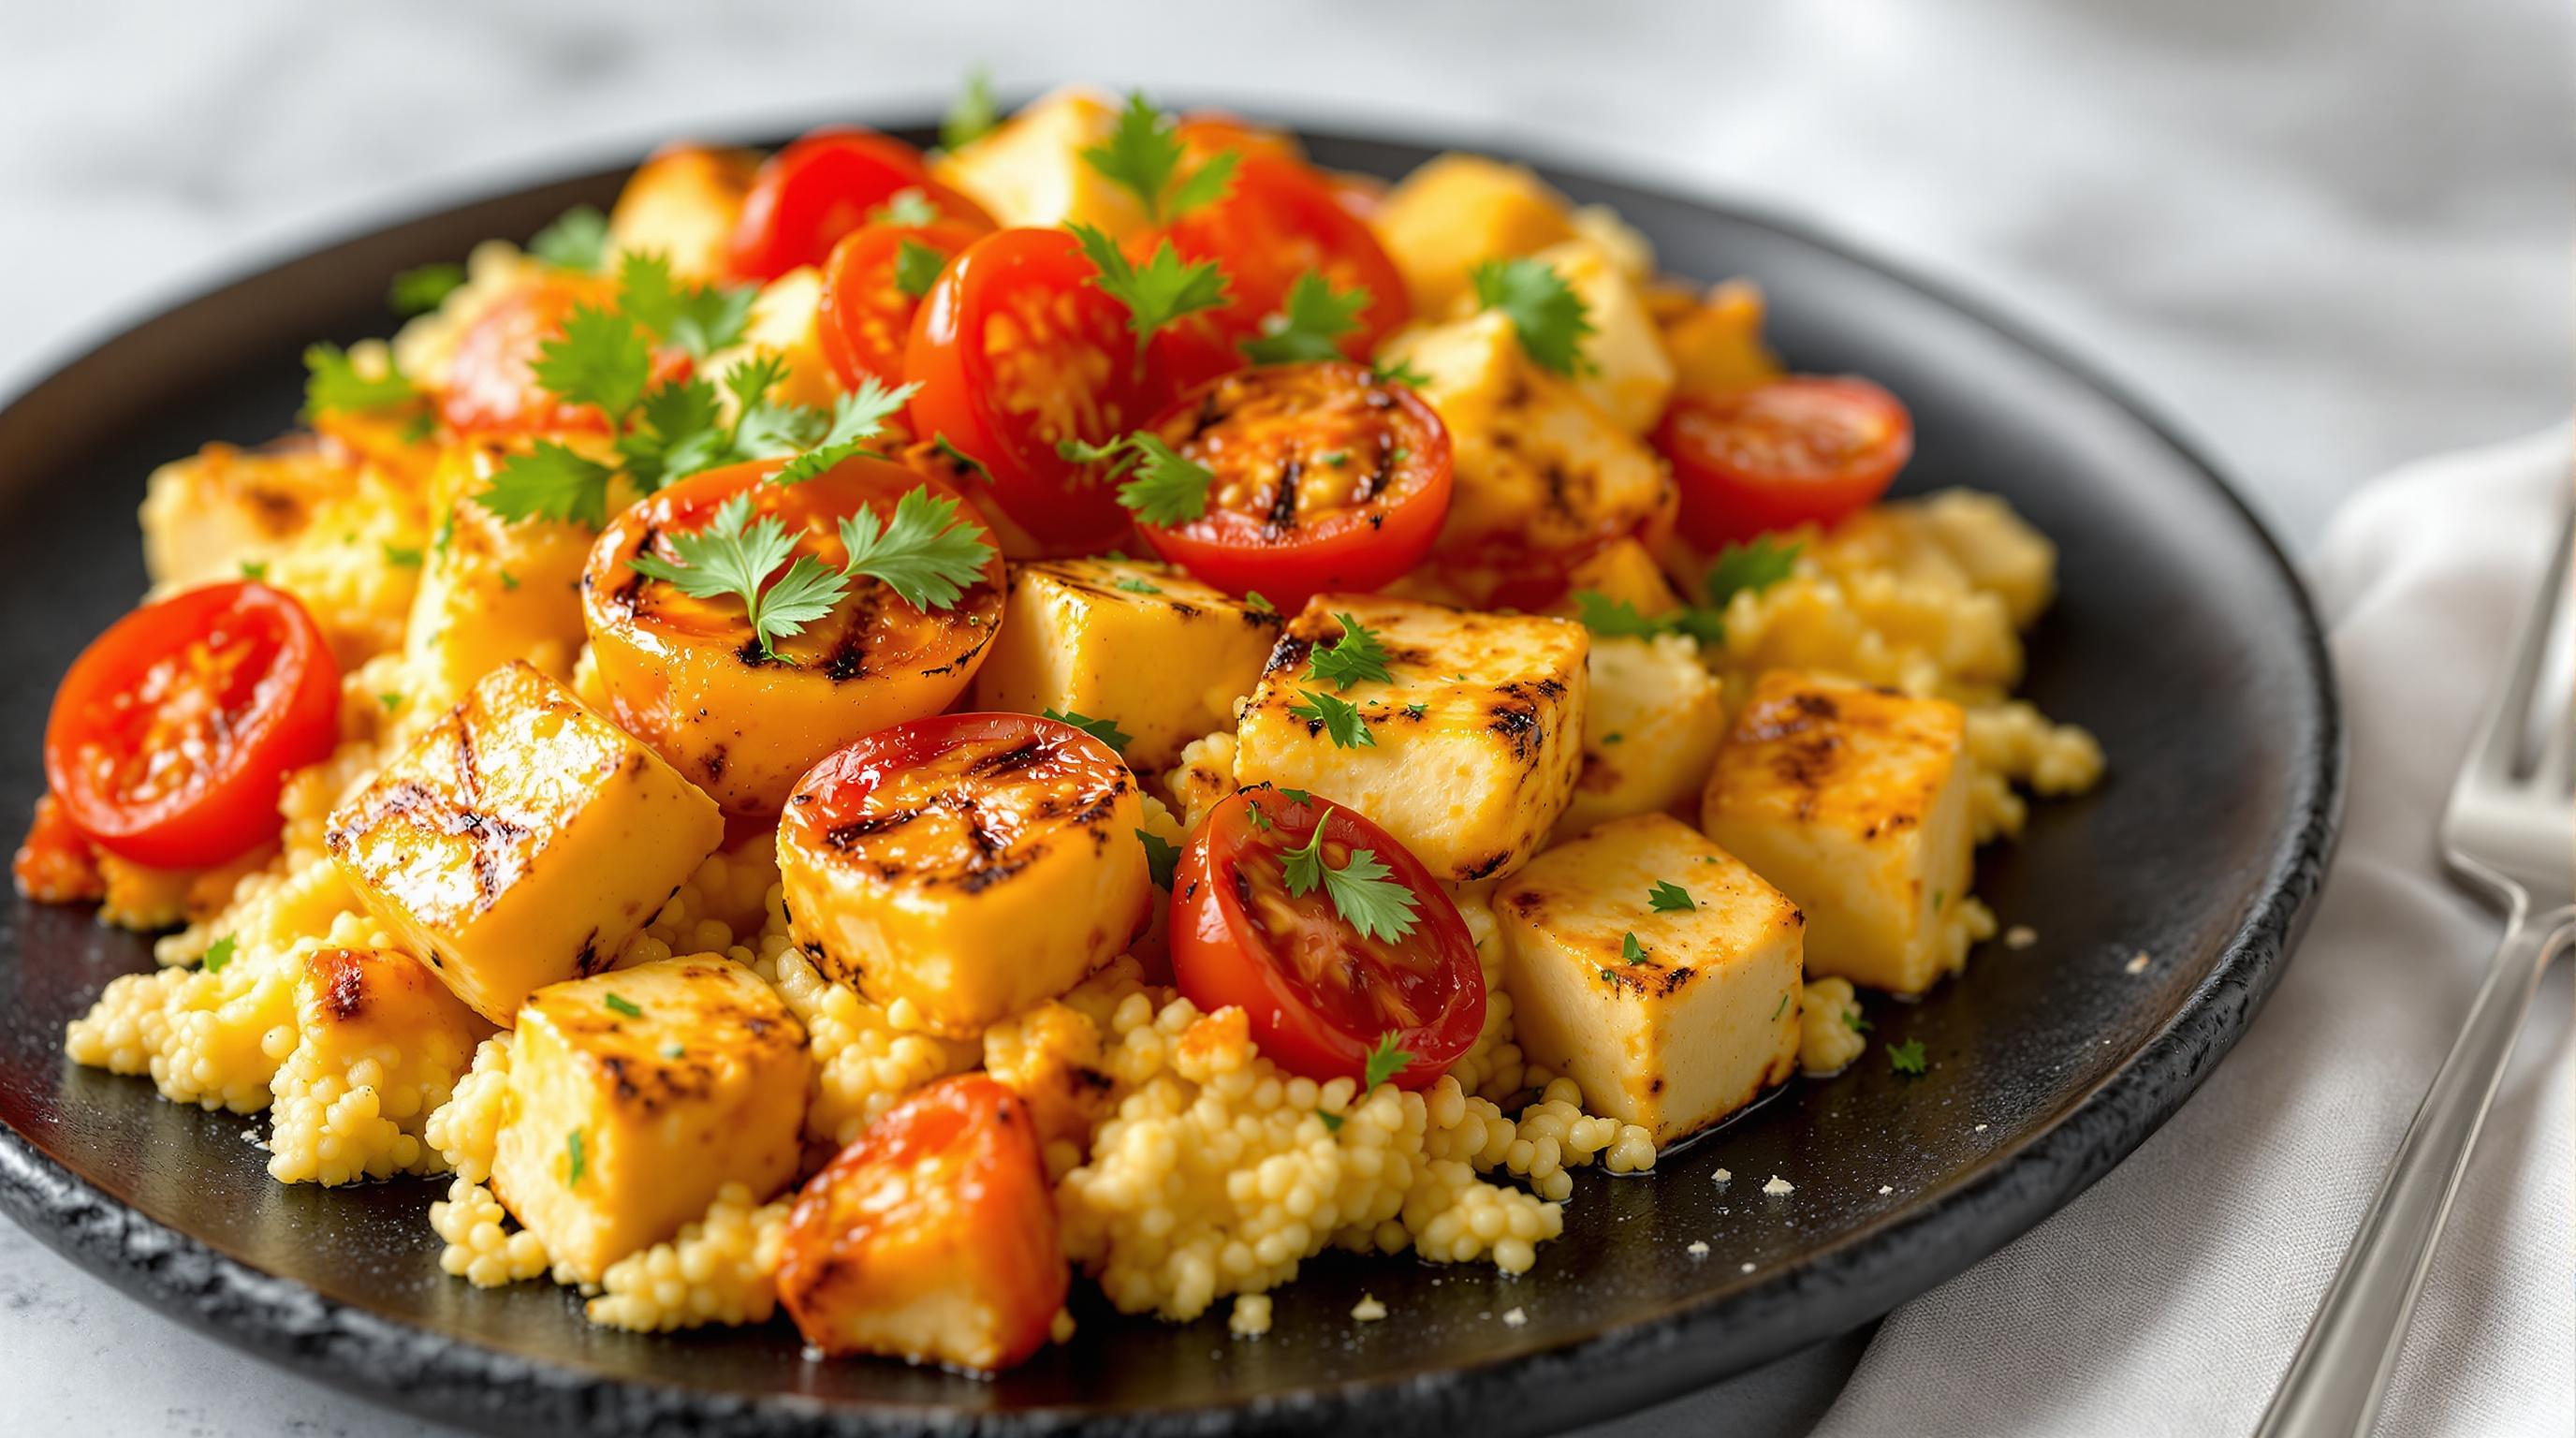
(2168, 1298)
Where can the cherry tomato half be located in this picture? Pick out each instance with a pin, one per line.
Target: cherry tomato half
(866, 312)
(942, 1205)
(822, 187)
(492, 378)
(1325, 479)
(1280, 219)
(1016, 351)
(174, 731)
(1807, 449)
(1320, 995)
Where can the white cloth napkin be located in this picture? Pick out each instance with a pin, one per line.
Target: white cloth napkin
(2168, 1298)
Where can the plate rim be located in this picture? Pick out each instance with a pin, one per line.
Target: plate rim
(1827, 1291)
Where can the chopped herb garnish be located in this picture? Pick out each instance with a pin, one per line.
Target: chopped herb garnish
(1143, 155)
(549, 482)
(916, 267)
(1104, 730)
(926, 555)
(959, 457)
(1309, 326)
(391, 699)
(1354, 657)
(1907, 1057)
(577, 240)
(972, 115)
(1336, 717)
(619, 1005)
(1158, 292)
(1133, 585)
(422, 288)
(1384, 1061)
(1782, 1009)
(220, 953)
(1253, 600)
(254, 569)
(907, 206)
(1332, 1121)
(735, 556)
(1368, 900)
(1398, 371)
(673, 1050)
(1162, 856)
(1416, 709)
(1856, 1021)
(332, 382)
(1667, 897)
(1631, 951)
(402, 556)
(1748, 568)
(1545, 312)
(576, 1167)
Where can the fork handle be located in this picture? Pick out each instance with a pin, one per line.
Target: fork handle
(2334, 1385)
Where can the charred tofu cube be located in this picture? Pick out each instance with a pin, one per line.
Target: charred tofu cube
(1466, 752)
(1650, 730)
(492, 590)
(1159, 654)
(635, 1095)
(1458, 211)
(520, 840)
(682, 204)
(1657, 971)
(1030, 170)
(1854, 801)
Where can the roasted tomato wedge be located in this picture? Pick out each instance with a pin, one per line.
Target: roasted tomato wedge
(813, 192)
(1320, 993)
(969, 865)
(492, 379)
(933, 1237)
(867, 311)
(1325, 479)
(687, 676)
(1017, 351)
(173, 732)
(1802, 450)
(1280, 219)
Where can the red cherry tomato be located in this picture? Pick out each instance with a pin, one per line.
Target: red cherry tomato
(492, 378)
(822, 187)
(867, 314)
(174, 731)
(1325, 480)
(1280, 219)
(1802, 450)
(1016, 351)
(56, 863)
(941, 1206)
(1320, 995)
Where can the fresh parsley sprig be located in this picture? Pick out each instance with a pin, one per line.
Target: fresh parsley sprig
(924, 554)
(1144, 154)
(972, 115)
(1104, 730)
(1749, 567)
(1545, 312)
(916, 267)
(422, 288)
(1360, 890)
(1338, 718)
(1310, 323)
(1667, 897)
(1355, 657)
(577, 240)
(1738, 569)
(700, 319)
(332, 381)
(1384, 1061)
(1159, 485)
(1162, 857)
(1157, 293)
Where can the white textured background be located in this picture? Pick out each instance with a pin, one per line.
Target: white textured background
(2326, 236)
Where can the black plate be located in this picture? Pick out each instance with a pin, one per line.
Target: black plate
(2182, 639)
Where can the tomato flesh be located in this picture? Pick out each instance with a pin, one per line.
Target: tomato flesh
(810, 194)
(173, 733)
(1806, 449)
(492, 378)
(1320, 995)
(1016, 351)
(56, 863)
(1326, 479)
(1280, 219)
(866, 316)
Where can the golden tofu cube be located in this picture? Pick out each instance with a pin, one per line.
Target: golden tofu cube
(682, 204)
(1458, 211)
(353, 1000)
(1671, 1014)
(520, 840)
(636, 1095)
(491, 591)
(1716, 346)
(1472, 742)
(1533, 464)
(1650, 731)
(786, 320)
(1029, 171)
(1623, 571)
(1628, 376)
(1162, 655)
(1854, 801)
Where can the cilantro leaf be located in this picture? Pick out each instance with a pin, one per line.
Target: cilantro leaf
(1104, 730)
(735, 556)
(422, 288)
(1205, 185)
(805, 593)
(857, 417)
(907, 206)
(1156, 293)
(1332, 1121)
(1336, 717)
(1749, 568)
(965, 462)
(1398, 371)
(1545, 312)
(1166, 489)
(1309, 324)
(924, 555)
(1618, 618)
(1254, 600)
(1631, 951)
(1162, 857)
(1667, 897)
(700, 319)
(916, 267)
(332, 381)
(1384, 1061)
(602, 358)
(1360, 890)
(574, 1165)
(971, 115)
(549, 482)
(577, 240)
(679, 430)
(220, 953)
(621, 1005)
(1907, 1057)
(1133, 585)
(1354, 657)
(1856, 1021)
(1143, 155)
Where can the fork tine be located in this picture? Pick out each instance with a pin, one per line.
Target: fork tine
(2501, 730)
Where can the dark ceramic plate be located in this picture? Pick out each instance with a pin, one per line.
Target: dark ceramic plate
(2182, 639)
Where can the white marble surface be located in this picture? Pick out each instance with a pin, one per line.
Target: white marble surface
(2326, 237)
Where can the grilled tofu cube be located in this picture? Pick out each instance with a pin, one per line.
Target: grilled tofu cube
(1534, 466)
(379, 1044)
(491, 591)
(1716, 346)
(1629, 377)
(1458, 211)
(1144, 645)
(636, 1095)
(1623, 571)
(1687, 1025)
(1030, 171)
(786, 320)
(682, 204)
(1855, 802)
(1472, 742)
(1650, 730)
(520, 840)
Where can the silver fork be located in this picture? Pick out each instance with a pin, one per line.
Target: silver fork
(2510, 833)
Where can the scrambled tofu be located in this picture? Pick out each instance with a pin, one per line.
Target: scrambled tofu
(1855, 802)
(636, 1095)
(1470, 746)
(1671, 1013)
(519, 840)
